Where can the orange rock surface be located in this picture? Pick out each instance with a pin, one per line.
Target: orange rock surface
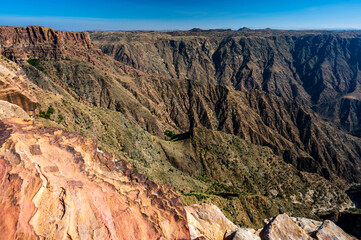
(57, 185)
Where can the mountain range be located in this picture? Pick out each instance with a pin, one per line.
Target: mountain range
(257, 122)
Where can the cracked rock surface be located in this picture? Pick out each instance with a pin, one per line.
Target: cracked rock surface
(56, 185)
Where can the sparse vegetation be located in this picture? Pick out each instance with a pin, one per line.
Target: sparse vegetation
(199, 196)
(169, 133)
(36, 63)
(60, 118)
(48, 113)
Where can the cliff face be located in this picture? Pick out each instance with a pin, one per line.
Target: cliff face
(55, 184)
(22, 43)
(14, 88)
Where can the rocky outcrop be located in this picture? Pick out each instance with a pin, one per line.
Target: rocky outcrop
(349, 220)
(207, 221)
(329, 230)
(307, 225)
(22, 43)
(9, 110)
(242, 234)
(283, 227)
(203, 219)
(15, 87)
(56, 184)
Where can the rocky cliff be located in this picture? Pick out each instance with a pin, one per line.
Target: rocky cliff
(14, 88)
(22, 43)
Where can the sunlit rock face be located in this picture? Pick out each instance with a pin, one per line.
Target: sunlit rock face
(56, 185)
(15, 87)
(208, 222)
(22, 43)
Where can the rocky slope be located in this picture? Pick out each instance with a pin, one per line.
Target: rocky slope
(128, 110)
(290, 129)
(45, 172)
(320, 69)
(206, 165)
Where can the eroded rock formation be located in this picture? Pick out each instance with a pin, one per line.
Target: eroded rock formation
(22, 43)
(15, 88)
(317, 68)
(55, 184)
(9, 110)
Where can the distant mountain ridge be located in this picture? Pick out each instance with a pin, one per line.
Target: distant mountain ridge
(318, 68)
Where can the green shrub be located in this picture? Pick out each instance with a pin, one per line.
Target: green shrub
(169, 133)
(199, 196)
(36, 63)
(48, 113)
(60, 118)
(51, 110)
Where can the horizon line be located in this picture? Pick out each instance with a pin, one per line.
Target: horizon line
(190, 29)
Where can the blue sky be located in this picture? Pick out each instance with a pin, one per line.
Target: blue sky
(186, 14)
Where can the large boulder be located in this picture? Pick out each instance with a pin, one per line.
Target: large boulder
(309, 226)
(283, 227)
(9, 110)
(207, 221)
(242, 234)
(330, 231)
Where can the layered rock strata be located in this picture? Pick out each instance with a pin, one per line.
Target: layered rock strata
(55, 184)
(15, 87)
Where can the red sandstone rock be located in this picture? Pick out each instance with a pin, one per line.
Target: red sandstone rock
(56, 185)
(21, 43)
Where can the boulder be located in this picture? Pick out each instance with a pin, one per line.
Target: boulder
(283, 227)
(242, 234)
(330, 231)
(307, 225)
(9, 110)
(207, 221)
